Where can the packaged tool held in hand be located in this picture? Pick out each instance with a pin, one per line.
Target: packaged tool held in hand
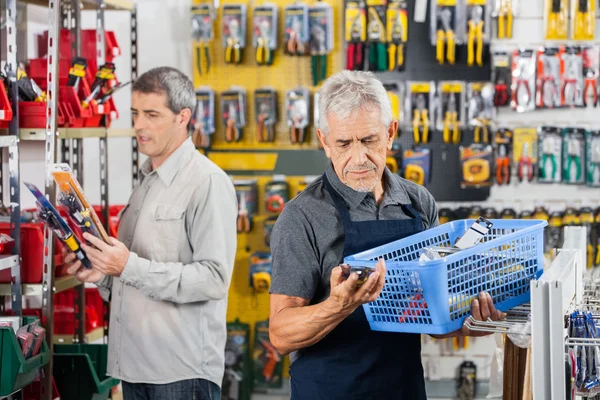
(451, 116)
(238, 369)
(444, 36)
(573, 156)
(583, 19)
(105, 74)
(549, 76)
(505, 11)
(265, 108)
(525, 153)
(277, 193)
(503, 141)
(395, 94)
(502, 78)
(247, 198)
(320, 19)
(297, 104)
(523, 80)
(591, 71)
(355, 34)
(592, 145)
(480, 110)
(204, 117)
(203, 17)
(265, 24)
(476, 165)
(573, 81)
(233, 111)
(416, 164)
(550, 154)
(234, 32)
(478, 31)
(397, 34)
(295, 31)
(556, 15)
(377, 35)
(420, 106)
(268, 363)
(59, 226)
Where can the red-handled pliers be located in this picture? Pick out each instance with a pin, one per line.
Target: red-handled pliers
(591, 83)
(525, 163)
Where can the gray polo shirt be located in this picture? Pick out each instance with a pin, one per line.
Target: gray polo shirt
(307, 241)
(168, 307)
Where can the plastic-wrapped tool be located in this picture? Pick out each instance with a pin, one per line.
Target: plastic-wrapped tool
(549, 74)
(202, 35)
(397, 34)
(583, 19)
(233, 112)
(204, 117)
(297, 105)
(451, 116)
(419, 107)
(556, 17)
(247, 194)
(295, 31)
(268, 363)
(321, 39)
(416, 164)
(395, 94)
(573, 81)
(355, 34)
(505, 11)
(503, 142)
(265, 107)
(591, 71)
(476, 165)
(105, 74)
(502, 78)
(377, 35)
(573, 155)
(234, 32)
(445, 19)
(523, 80)
(265, 21)
(593, 158)
(480, 109)
(550, 151)
(478, 31)
(525, 152)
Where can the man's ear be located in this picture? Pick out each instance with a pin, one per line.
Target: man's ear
(323, 140)
(185, 116)
(391, 134)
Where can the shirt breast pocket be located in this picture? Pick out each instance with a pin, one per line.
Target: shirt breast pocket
(169, 223)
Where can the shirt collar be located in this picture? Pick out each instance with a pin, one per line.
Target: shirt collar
(394, 192)
(172, 164)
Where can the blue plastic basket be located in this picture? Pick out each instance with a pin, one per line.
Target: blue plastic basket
(434, 297)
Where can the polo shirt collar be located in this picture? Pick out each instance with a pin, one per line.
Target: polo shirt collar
(167, 171)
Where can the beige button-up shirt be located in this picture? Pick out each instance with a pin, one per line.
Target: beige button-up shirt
(168, 307)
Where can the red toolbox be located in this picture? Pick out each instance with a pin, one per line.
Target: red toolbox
(5, 107)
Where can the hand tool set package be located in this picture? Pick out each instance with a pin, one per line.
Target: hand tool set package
(572, 79)
(470, 238)
(549, 67)
(420, 105)
(416, 164)
(505, 11)
(502, 78)
(523, 80)
(377, 35)
(297, 105)
(476, 165)
(237, 362)
(573, 155)
(295, 31)
(591, 71)
(355, 34)
(203, 17)
(321, 39)
(478, 31)
(451, 113)
(550, 151)
(268, 363)
(480, 110)
(265, 109)
(204, 117)
(556, 15)
(447, 22)
(583, 19)
(265, 25)
(583, 360)
(233, 113)
(503, 141)
(247, 198)
(277, 193)
(395, 93)
(30, 336)
(593, 158)
(234, 32)
(397, 34)
(260, 271)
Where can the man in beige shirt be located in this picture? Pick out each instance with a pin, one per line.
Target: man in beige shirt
(168, 274)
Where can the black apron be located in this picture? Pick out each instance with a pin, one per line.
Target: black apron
(352, 361)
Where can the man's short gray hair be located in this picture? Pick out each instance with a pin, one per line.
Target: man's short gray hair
(178, 88)
(349, 91)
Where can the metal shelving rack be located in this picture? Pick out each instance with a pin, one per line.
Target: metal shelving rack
(62, 14)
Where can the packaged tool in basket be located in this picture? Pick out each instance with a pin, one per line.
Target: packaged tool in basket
(549, 154)
(586, 218)
(233, 113)
(260, 272)
(583, 19)
(277, 193)
(592, 145)
(523, 80)
(105, 74)
(297, 105)
(556, 19)
(525, 153)
(320, 18)
(591, 71)
(265, 24)
(397, 34)
(573, 155)
(59, 226)
(420, 107)
(355, 34)
(295, 31)
(549, 77)
(470, 238)
(505, 11)
(478, 31)
(265, 108)
(480, 110)
(204, 117)
(476, 165)
(395, 94)
(376, 35)
(247, 199)
(237, 381)
(502, 78)
(77, 72)
(451, 116)
(234, 32)
(203, 18)
(268, 363)
(416, 164)
(447, 23)
(573, 80)
(503, 141)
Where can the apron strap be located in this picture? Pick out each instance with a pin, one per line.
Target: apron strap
(410, 211)
(340, 204)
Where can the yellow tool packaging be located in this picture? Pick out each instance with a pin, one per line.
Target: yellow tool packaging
(377, 35)
(478, 31)
(556, 19)
(204, 117)
(476, 162)
(203, 35)
(355, 34)
(504, 12)
(265, 109)
(233, 112)
(234, 32)
(297, 104)
(416, 165)
(583, 19)
(451, 116)
(420, 103)
(265, 23)
(480, 110)
(397, 34)
(446, 18)
(295, 31)
(395, 94)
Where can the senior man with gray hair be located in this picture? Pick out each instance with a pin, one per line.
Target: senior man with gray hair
(168, 275)
(357, 204)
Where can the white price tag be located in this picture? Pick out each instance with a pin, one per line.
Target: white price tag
(100, 108)
(1, 114)
(420, 11)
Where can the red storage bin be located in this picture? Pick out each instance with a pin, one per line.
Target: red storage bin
(88, 45)
(5, 107)
(64, 311)
(68, 95)
(65, 44)
(32, 253)
(32, 114)
(38, 71)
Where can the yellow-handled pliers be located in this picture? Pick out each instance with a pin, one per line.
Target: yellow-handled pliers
(557, 23)
(446, 36)
(396, 46)
(505, 20)
(233, 53)
(451, 122)
(483, 124)
(421, 120)
(263, 52)
(584, 20)
(475, 34)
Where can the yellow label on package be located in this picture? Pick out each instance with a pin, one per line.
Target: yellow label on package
(452, 87)
(446, 3)
(424, 87)
(476, 2)
(397, 23)
(356, 20)
(376, 2)
(525, 137)
(478, 86)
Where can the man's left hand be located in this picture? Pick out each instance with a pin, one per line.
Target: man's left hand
(482, 309)
(108, 259)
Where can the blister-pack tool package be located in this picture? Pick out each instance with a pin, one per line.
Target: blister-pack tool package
(593, 158)
(573, 80)
(480, 110)
(549, 78)
(478, 31)
(265, 28)
(265, 108)
(573, 156)
(204, 117)
(420, 103)
(502, 78)
(523, 80)
(397, 34)
(451, 115)
(476, 165)
(297, 105)
(234, 32)
(320, 18)
(233, 113)
(446, 18)
(549, 154)
(295, 30)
